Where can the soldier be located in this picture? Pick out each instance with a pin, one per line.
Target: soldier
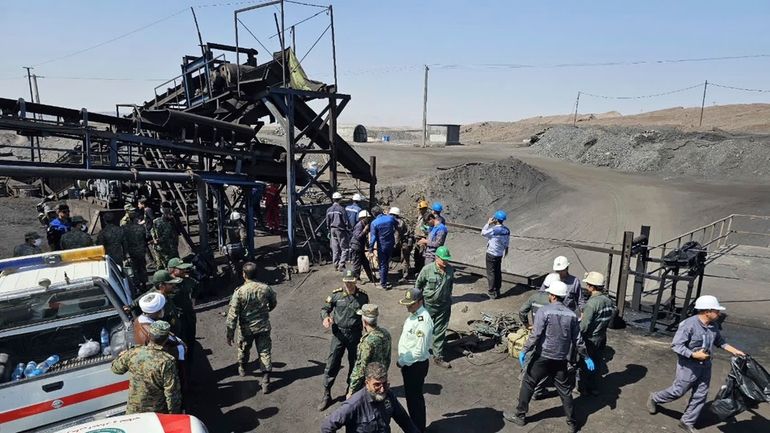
(339, 314)
(597, 314)
(250, 308)
(436, 280)
(31, 245)
(77, 237)
(165, 237)
(164, 284)
(136, 246)
(154, 383)
(373, 347)
(59, 226)
(146, 216)
(112, 238)
(184, 300)
(130, 214)
(404, 242)
(421, 230)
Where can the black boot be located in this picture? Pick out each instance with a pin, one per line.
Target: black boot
(325, 401)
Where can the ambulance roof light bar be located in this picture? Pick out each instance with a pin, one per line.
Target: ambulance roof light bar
(68, 256)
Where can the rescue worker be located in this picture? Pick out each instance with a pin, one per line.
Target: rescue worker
(435, 239)
(404, 242)
(249, 312)
(339, 232)
(165, 238)
(413, 354)
(353, 209)
(536, 301)
(339, 315)
(235, 229)
(498, 236)
(358, 244)
(31, 245)
(370, 409)
(257, 191)
(60, 225)
(597, 315)
(272, 207)
(184, 300)
(129, 214)
(136, 246)
(437, 208)
(77, 236)
(421, 230)
(694, 343)
(436, 281)
(550, 345)
(576, 298)
(382, 231)
(374, 346)
(154, 383)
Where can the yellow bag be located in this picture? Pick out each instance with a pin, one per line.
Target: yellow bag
(516, 341)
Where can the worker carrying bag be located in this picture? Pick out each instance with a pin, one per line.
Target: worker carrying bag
(747, 385)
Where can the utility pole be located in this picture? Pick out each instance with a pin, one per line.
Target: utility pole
(34, 86)
(425, 108)
(29, 81)
(577, 103)
(703, 102)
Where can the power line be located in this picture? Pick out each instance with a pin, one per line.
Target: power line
(105, 78)
(299, 22)
(739, 88)
(307, 4)
(670, 92)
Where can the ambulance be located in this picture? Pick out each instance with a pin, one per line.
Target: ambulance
(50, 305)
(142, 423)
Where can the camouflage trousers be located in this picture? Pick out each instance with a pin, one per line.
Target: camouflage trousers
(163, 255)
(264, 346)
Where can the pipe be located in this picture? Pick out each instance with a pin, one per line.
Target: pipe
(174, 119)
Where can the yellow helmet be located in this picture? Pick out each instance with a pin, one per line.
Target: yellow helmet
(422, 204)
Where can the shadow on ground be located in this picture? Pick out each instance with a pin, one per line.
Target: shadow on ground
(480, 419)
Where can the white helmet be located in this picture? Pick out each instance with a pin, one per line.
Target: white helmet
(357, 197)
(235, 215)
(557, 288)
(395, 211)
(550, 278)
(363, 214)
(594, 278)
(560, 263)
(708, 302)
(336, 196)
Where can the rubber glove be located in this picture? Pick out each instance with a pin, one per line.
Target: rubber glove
(589, 364)
(522, 356)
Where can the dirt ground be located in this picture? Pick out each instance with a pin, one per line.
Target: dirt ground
(19, 216)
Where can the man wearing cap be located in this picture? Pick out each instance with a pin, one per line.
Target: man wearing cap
(136, 246)
(383, 233)
(551, 345)
(358, 244)
(113, 239)
(183, 298)
(435, 239)
(339, 231)
(249, 312)
(421, 230)
(353, 209)
(694, 343)
(77, 237)
(374, 346)
(436, 280)
(413, 354)
(370, 409)
(164, 284)
(576, 298)
(597, 314)
(154, 383)
(130, 214)
(497, 236)
(339, 315)
(165, 238)
(436, 209)
(60, 225)
(31, 245)
(404, 242)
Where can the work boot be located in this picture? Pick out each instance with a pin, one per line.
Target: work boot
(571, 427)
(687, 428)
(241, 370)
(265, 382)
(518, 420)
(652, 406)
(441, 362)
(492, 295)
(325, 401)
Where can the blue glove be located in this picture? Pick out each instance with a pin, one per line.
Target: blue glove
(522, 357)
(589, 364)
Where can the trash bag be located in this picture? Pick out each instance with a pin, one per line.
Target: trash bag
(88, 349)
(729, 401)
(753, 379)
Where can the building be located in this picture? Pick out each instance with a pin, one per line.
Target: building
(442, 134)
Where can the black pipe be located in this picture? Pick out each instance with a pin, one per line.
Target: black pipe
(206, 126)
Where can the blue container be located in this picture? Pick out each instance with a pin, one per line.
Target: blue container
(386, 138)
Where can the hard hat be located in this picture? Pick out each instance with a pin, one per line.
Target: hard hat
(363, 214)
(560, 263)
(235, 215)
(550, 278)
(708, 302)
(357, 197)
(501, 215)
(336, 196)
(422, 204)
(395, 211)
(557, 288)
(443, 253)
(594, 278)
(437, 207)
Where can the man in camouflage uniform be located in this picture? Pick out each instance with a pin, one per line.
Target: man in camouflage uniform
(165, 238)
(77, 237)
(404, 242)
(164, 284)
(184, 299)
(129, 216)
(154, 383)
(112, 238)
(136, 246)
(421, 230)
(339, 314)
(250, 308)
(373, 347)
(31, 245)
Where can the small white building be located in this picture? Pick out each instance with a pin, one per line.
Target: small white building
(442, 134)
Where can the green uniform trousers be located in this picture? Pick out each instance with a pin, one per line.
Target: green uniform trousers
(264, 347)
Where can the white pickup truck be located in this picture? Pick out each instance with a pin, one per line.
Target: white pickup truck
(50, 304)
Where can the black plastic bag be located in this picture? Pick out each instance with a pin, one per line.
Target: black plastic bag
(729, 401)
(752, 379)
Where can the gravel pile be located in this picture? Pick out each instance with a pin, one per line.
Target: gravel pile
(666, 151)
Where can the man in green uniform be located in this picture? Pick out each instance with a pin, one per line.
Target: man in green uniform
(373, 347)
(339, 314)
(164, 284)
(436, 280)
(31, 245)
(77, 237)
(154, 383)
(184, 299)
(136, 246)
(112, 238)
(250, 308)
(165, 238)
(129, 216)
(597, 314)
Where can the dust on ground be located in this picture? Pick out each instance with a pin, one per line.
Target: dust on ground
(19, 215)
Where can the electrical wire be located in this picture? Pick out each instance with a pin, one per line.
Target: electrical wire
(306, 4)
(670, 92)
(299, 22)
(739, 88)
(104, 78)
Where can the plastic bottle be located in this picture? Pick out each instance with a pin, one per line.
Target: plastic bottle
(45, 365)
(105, 338)
(29, 370)
(19, 372)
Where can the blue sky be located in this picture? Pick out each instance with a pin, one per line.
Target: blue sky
(382, 45)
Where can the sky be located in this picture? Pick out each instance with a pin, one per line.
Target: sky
(97, 54)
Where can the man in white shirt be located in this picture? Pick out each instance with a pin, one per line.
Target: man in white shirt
(413, 354)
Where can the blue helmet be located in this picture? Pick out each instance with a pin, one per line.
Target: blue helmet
(501, 215)
(437, 206)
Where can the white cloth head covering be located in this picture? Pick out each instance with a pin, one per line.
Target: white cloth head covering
(152, 303)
